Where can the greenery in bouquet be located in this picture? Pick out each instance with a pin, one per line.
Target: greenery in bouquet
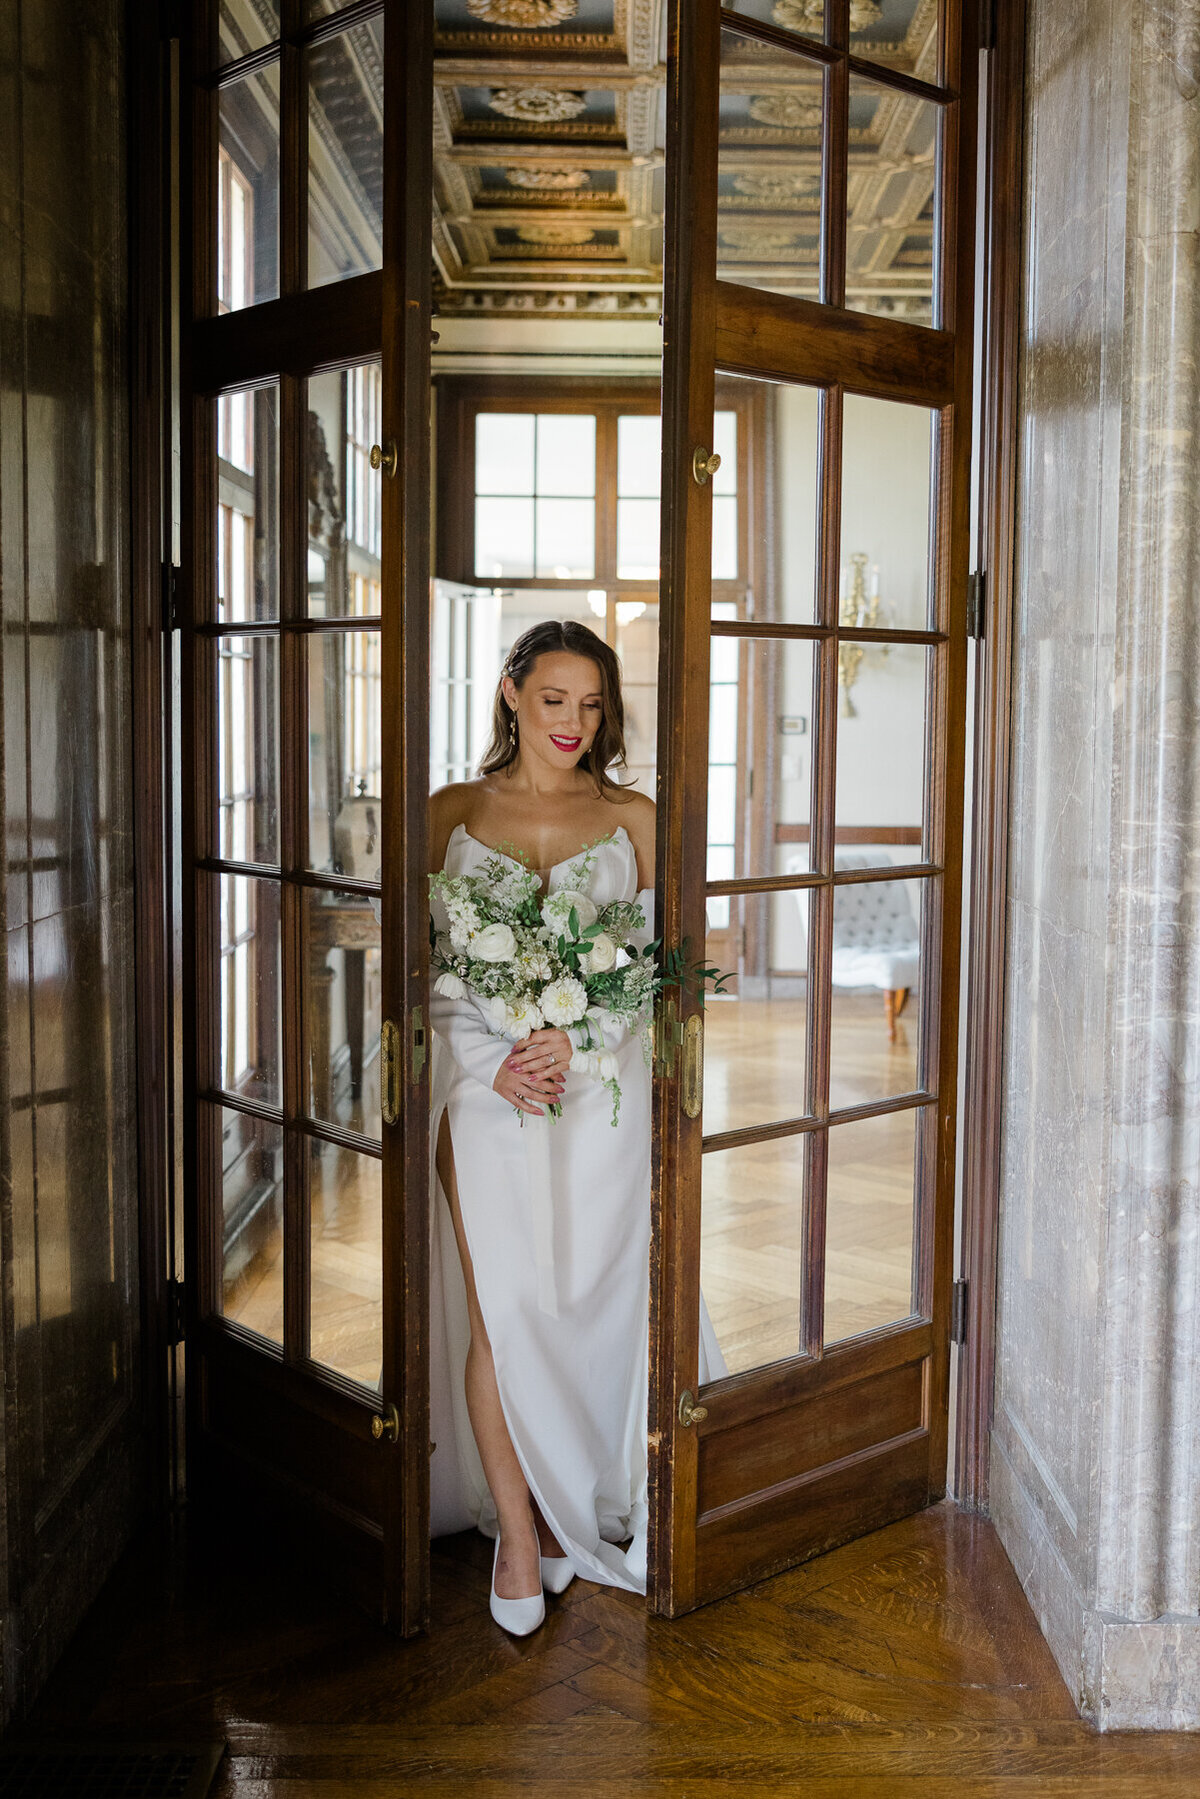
(556, 960)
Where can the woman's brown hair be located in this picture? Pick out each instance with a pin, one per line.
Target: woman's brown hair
(608, 745)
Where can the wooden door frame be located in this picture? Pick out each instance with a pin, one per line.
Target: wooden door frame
(998, 310)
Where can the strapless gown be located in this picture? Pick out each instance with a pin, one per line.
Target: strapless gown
(572, 1385)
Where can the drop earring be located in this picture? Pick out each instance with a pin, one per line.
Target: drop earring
(512, 730)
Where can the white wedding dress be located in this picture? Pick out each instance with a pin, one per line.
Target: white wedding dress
(557, 1219)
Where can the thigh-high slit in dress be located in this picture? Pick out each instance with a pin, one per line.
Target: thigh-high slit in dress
(556, 1216)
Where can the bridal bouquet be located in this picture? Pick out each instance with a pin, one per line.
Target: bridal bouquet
(537, 960)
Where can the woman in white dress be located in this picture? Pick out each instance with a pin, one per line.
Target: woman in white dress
(540, 1304)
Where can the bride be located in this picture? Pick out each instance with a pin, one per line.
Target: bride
(539, 1407)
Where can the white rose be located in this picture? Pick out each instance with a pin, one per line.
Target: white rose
(602, 956)
(563, 1002)
(495, 943)
(497, 1012)
(449, 985)
(606, 1065)
(560, 904)
(521, 1018)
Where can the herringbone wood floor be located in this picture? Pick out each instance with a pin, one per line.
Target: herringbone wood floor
(906, 1664)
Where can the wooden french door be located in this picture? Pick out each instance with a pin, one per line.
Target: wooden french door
(805, 1183)
(304, 620)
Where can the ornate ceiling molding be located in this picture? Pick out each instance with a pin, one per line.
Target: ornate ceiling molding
(778, 187)
(523, 15)
(560, 180)
(761, 240)
(785, 110)
(537, 105)
(555, 234)
(809, 15)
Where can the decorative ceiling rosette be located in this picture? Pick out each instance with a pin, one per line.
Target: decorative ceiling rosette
(555, 234)
(758, 240)
(537, 105)
(809, 15)
(778, 187)
(524, 15)
(785, 109)
(548, 180)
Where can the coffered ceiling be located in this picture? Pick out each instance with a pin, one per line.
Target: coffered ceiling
(549, 134)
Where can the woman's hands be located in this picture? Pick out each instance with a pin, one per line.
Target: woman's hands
(535, 1070)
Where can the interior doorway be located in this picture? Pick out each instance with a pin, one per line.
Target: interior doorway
(367, 531)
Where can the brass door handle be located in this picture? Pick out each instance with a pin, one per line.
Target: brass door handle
(689, 1411)
(385, 457)
(385, 1426)
(704, 463)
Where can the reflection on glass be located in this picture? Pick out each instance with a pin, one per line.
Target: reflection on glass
(804, 16)
(342, 1010)
(761, 710)
(887, 463)
(891, 202)
(754, 1055)
(248, 190)
(535, 488)
(724, 500)
(881, 744)
(248, 748)
(251, 1018)
(769, 168)
(345, 154)
(346, 1198)
(637, 647)
(345, 753)
(248, 505)
(242, 27)
(344, 493)
(464, 667)
(902, 33)
(876, 970)
(869, 1224)
(251, 1221)
(725, 693)
(751, 1267)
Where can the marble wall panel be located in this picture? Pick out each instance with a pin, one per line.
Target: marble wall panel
(1096, 1481)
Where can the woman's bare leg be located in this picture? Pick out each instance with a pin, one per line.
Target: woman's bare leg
(517, 1572)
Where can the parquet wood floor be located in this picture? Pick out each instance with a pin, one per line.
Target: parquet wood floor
(907, 1664)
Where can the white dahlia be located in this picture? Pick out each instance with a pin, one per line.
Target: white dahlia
(563, 1002)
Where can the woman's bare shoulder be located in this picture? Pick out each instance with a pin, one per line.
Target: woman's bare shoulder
(638, 816)
(450, 806)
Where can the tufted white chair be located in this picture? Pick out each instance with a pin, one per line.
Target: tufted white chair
(876, 942)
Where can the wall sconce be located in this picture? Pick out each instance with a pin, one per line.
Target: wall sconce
(858, 609)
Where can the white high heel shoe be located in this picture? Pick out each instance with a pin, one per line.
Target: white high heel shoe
(557, 1573)
(517, 1616)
